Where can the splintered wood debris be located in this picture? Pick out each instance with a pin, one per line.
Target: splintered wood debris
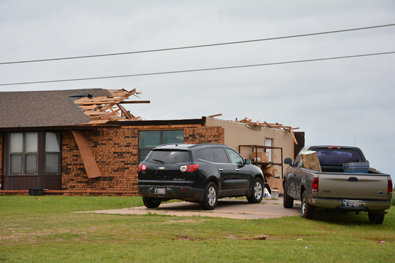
(257, 124)
(108, 108)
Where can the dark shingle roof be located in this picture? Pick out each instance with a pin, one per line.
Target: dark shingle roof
(43, 108)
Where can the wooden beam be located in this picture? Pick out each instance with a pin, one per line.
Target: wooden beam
(88, 107)
(135, 101)
(125, 112)
(91, 168)
(82, 100)
(293, 136)
(216, 115)
(110, 114)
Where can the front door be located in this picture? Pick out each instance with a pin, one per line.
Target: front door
(226, 170)
(242, 174)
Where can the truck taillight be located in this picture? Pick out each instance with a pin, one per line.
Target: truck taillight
(315, 185)
(390, 189)
(142, 167)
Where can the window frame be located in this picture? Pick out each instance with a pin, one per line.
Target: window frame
(40, 154)
(59, 153)
(23, 153)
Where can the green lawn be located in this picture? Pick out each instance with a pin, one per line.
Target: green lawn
(45, 229)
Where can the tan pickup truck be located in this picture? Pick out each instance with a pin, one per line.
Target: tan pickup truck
(345, 183)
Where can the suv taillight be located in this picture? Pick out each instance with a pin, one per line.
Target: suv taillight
(189, 168)
(390, 187)
(315, 185)
(142, 167)
(192, 167)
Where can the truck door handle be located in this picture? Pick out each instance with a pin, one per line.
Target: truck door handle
(353, 179)
(221, 169)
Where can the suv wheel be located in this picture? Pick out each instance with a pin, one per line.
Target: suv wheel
(256, 191)
(151, 202)
(210, 197)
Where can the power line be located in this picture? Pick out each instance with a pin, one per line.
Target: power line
(197, 70)
(196, 46)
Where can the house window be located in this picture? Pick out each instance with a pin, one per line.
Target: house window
(27, 152)
(52, 153)
(23, 152)
(150, 139)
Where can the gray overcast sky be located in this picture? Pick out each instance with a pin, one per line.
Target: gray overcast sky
(345, 102)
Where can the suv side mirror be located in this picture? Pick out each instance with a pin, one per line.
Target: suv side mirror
(288, 161)
(246, 161)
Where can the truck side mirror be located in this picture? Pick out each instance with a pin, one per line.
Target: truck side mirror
(288, 161)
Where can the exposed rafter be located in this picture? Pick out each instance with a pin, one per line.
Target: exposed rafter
(289, 129)
(108, 108)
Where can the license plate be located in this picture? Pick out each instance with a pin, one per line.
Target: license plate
(353, 203)
(160, 191)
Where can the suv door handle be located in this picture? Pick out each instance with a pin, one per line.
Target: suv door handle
(221, 169)
(237, 170)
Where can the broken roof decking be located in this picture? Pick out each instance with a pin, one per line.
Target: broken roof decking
(43, 108)
(108, 108)
(255, 124)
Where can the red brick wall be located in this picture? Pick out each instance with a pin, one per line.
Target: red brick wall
(116, 153)
(204, 134)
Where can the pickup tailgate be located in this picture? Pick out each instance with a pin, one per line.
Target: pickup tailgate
(352, 186)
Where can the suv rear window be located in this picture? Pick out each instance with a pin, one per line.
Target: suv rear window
(168, 156)
(337, 156)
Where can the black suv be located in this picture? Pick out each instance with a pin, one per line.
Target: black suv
(197, 173)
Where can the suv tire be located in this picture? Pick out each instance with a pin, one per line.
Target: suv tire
(256, 191)
(210, 199)
(151, 202)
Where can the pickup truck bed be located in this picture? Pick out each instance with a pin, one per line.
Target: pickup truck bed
(335, 189)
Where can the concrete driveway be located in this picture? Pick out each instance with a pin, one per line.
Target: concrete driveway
(226, 208)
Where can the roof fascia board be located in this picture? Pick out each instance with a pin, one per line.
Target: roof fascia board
(159, 122)
(114, 124)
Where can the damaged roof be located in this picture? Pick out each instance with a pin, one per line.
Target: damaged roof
(44, 108)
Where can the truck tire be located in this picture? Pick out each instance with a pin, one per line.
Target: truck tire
(288, 202)
(256, 191)
(151, 202)
(210, 199)
(376, 218)
(307, 210)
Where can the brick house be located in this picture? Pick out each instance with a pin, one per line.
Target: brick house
(84, 142)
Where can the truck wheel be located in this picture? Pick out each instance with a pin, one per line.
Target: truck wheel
(256, 191)
(288, 202)
(375, 218)
(210, 197)
(151, 202)
(307, 209)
